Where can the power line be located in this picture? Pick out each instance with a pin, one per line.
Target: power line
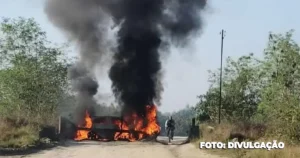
(221, 69)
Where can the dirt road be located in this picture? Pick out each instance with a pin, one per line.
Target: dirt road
(122, 150)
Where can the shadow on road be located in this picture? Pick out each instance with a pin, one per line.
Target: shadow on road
(26, 151)
(175, 141)
(70, 143)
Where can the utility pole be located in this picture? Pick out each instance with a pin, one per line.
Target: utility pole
(221, 69)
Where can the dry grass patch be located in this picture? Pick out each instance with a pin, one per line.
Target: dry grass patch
(17, 136)
(215, 132)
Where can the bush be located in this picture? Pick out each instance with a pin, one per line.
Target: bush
(17, 135)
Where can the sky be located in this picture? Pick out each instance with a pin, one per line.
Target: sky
(246, 22)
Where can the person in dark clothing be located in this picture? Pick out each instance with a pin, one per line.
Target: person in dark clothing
(170, 126)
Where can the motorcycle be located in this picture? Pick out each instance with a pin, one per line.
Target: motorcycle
(171, 135)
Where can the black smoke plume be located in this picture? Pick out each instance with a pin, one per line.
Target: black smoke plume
(145, 26)
(81, 21)
(136, 72)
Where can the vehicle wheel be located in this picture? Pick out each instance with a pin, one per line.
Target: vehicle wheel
(92, 136)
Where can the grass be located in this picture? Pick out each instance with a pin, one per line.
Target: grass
(17, 136)
(218, 133)
(222, 133)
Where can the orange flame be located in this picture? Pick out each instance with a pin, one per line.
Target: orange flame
(83, 134)
(141, 127)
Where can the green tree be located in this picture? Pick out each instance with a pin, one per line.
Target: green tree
(33, 72)
(280, 106)
(240, 95)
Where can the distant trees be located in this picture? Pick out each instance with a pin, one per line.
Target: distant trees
(183, 120)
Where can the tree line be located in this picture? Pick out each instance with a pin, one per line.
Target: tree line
(259, 90)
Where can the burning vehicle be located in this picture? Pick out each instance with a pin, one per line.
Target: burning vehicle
(111, 128)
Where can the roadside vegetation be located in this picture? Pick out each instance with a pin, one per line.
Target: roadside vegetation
(33, 81)
(260, 100)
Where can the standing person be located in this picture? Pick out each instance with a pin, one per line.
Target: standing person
(170, 126)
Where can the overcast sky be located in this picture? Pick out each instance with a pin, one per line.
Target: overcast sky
(247, 24)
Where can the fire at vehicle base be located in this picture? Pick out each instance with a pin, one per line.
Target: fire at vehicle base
(128, 128)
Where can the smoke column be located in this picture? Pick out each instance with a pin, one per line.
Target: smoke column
(85, 24)
(136, 74)
(145, 26)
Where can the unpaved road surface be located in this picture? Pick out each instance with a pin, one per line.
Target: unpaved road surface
(90, 149)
